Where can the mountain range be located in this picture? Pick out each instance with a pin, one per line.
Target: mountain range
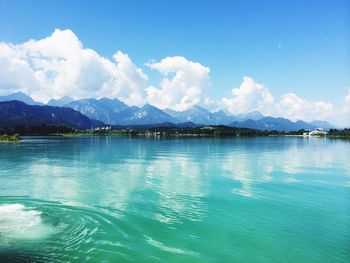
(14, 113)
(271, 124)
(115, 112)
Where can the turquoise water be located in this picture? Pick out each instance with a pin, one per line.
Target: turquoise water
(103, 199)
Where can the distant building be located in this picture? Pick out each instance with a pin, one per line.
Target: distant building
(318, 132)
(107, 128)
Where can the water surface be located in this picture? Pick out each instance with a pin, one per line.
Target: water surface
(105, 199)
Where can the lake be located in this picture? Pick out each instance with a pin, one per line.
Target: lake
(119, 199)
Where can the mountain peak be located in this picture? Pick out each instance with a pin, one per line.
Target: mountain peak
(60, 102)
(20, 96)
(149, 114)
(149, 106)
(109, 99)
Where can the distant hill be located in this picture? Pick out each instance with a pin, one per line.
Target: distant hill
(270, 124)
(20, 96)
(200, 115)
(322, 124)
(223, 117)
(14, 113)
(253, 115)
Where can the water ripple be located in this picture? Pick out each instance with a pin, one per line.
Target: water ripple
(48, 231)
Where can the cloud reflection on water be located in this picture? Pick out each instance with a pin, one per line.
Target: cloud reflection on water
(306, 161)
(180, 188)
(113, 173)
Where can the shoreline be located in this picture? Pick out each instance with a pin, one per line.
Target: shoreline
(58, 136)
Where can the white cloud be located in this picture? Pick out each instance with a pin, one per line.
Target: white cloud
(59, 65)
(250, 96)
(347, 98)
(343, 114)
(130, 81)
(183, 85)
(15, 71)
(293, 107)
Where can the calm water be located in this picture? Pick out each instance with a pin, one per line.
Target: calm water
(178, 200)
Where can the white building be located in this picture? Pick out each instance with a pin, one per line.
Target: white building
(318, 132)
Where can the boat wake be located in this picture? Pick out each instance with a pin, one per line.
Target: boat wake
(33, 230)
(20, 222)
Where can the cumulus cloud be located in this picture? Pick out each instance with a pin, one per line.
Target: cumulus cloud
(15, 70)
(250, 96)
(293, 107)
(183, 85)
(59, 66)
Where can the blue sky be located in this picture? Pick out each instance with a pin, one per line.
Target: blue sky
(289, 46)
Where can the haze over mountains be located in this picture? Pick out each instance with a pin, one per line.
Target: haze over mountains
(20, 96)
(115, 112)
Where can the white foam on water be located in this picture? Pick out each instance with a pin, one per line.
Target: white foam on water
(163, 247)
(18, 222)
